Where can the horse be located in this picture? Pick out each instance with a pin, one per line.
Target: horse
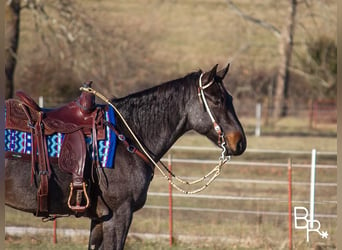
(158, 116)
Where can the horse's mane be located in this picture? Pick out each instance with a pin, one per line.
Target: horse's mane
(163, 88)
(158, 106)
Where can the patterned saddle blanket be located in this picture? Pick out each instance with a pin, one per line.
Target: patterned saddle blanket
(19, 143)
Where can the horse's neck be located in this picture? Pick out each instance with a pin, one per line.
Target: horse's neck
(158, 116)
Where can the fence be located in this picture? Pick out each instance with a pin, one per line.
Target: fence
(271, 199)
(323, 111)
(198, 202)
(254, 197)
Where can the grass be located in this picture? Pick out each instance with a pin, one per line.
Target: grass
(242, 231)
(39, 242)
(133, 243)
(291, 126)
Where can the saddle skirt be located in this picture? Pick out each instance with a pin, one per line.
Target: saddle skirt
(18, 141)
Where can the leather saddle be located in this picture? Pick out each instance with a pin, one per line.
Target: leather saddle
(77, 120)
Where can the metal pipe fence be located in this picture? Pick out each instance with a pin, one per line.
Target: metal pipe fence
(257, 198)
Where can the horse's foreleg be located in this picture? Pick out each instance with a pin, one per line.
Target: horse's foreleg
(115, 229)
(111, 233)
(96, 235)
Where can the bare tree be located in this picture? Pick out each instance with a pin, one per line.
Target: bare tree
(12, 22)
(77, 43)
(285, 51)
(64, 30)
(285, 37)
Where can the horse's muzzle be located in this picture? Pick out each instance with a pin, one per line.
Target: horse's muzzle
(236, 142)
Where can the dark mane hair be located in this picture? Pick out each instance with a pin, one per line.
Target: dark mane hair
(158, 106)
(163, 88)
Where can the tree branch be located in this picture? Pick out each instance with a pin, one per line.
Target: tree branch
(314, 77)
(259, 22)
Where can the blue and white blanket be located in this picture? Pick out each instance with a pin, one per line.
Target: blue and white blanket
(21, 142)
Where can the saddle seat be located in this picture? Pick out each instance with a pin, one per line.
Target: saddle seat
(76, 120)
(75, 115)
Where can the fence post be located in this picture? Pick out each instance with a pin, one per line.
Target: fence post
(312, 187)
(41, 101)
(170, 203)
(290, 201)
(258, 119)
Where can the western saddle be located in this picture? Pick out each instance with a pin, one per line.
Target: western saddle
(77, 120)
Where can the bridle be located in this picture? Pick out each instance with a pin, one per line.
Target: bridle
(221, 138)
(213, 174)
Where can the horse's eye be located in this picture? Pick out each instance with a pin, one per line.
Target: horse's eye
(219, 100)
(222, 99)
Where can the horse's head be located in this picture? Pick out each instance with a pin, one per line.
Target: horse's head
(213, 114)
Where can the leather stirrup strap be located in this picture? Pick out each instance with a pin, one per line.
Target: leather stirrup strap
(42, 195)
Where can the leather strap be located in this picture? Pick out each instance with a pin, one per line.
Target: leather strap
(94, 138)
(44, 167)
(130, 148)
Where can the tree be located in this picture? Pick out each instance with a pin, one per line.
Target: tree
(285, 52)
(320, 66)
(64, 30)
(12, 22)
(285, 38)
(12, 30)
(68, 44)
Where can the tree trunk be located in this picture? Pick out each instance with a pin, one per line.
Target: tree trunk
(12, 22)
(285, 47)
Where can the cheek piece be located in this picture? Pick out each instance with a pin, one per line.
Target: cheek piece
(221, 138)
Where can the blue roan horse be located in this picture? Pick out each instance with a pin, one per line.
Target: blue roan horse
(158, 116)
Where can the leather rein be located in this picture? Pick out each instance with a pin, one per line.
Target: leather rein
(143, 154)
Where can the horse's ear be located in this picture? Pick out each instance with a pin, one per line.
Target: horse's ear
(223, 72)
(209, 76)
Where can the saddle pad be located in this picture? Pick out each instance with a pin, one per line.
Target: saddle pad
(21, 142)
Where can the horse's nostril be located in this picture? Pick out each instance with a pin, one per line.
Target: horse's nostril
(236, 142)
(239, 146)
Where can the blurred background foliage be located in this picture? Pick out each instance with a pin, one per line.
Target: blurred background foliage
(125, 46)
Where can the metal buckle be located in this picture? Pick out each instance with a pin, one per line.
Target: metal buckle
(131, 149)
(30, 125)
(43, 172)
(121, 137)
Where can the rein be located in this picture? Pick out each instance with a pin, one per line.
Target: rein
(216, 171)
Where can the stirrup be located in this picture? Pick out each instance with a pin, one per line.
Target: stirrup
(78, 208)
